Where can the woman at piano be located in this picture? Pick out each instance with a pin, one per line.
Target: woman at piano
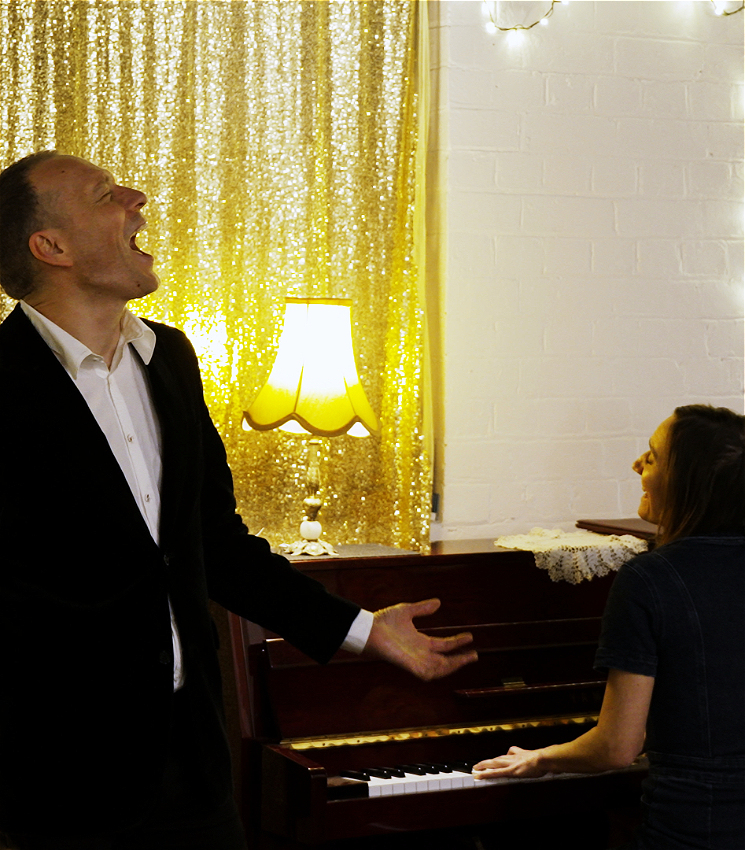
(673, 642)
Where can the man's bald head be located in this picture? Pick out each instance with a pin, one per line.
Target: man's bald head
(23, 211)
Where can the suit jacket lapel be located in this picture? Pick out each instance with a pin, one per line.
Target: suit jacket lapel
(51, 416)
(176, 423)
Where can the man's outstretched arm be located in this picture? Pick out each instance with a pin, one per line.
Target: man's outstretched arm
(395, 638)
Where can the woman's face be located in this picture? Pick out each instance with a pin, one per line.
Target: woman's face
(651, 466)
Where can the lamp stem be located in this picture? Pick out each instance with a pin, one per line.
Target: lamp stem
(313, 481)
(310, 529)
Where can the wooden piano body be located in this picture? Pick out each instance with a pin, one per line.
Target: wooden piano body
(533, 685)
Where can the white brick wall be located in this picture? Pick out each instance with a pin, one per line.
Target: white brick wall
(594, 259)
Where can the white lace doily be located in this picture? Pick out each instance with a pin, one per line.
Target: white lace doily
(575, 555)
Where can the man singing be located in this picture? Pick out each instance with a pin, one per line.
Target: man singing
(117, 525)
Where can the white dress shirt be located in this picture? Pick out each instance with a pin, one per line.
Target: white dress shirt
(119, 399)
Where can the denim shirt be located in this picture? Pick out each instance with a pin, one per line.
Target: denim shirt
(678, 614)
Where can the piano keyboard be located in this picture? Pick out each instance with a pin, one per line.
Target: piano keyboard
(421, 778)
(415, 778)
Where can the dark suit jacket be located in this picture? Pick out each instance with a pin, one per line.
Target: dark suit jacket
(86, 663)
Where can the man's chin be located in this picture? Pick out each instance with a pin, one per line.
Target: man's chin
(147, 286)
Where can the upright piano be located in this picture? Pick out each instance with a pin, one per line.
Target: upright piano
(303, 725)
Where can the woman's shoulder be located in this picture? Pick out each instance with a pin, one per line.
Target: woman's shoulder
(724, 553)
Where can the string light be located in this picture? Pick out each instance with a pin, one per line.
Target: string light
(720, 8)
(493, 27)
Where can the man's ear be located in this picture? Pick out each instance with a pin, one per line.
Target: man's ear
(47, 246)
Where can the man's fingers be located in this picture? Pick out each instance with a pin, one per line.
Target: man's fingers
(455, 662)
(423, 608)
(448, 644)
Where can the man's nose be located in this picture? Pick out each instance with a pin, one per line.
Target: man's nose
(131, 199)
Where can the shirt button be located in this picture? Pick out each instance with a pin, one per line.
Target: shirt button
(147, 497)
(166, 559)
(164, 657)
(129, 438)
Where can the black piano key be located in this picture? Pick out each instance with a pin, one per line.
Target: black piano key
(361, 775)
(394, 771)
(380, 772)
(430, 768)
(442, 768)
(460, 766)
(413, 769)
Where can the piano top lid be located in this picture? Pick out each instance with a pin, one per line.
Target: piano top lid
(632, 525)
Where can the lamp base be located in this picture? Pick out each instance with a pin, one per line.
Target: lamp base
(309, 547)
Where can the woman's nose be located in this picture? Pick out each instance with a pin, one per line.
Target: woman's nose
(637, 465)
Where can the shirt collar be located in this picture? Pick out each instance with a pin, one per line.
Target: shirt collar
(71, 352)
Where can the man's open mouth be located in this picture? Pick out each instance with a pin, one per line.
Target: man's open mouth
(133, 245)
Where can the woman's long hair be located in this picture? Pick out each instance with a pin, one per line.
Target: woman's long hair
(705, 482)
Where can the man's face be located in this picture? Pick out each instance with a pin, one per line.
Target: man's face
(96, 221)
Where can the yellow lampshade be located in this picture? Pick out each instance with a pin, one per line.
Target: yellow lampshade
(313, 387)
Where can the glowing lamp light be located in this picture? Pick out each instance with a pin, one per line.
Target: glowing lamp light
(313, 389)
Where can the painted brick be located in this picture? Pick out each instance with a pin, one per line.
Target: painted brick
(594, 271)
(723, 62)
(616, 96)
(484, 212)
(713, 377)
(472, 252)
(568, 335)
(519, 91)
(589, 217)
(588, 53)
(724, 338)
(567, 257)
(476, 170)
(704, 258)
(707, 179)
(723, 219)
(481, 128)
(663, 138)
(550, 133)
(519, 172)
(657, 59)
(637, 217)
(612, 178)
(643, 19)
(519, 255)
(663, 100)
(724, 141)
(710, 101)
(470, 90)
(566, 175)
(662, 179)
(467, 502)
(571, 93)
(614, 257)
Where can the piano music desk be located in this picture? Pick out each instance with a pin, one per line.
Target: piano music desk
(533, 685)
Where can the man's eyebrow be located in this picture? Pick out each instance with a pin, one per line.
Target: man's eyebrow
(105, 181)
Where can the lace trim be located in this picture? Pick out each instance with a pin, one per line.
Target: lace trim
(574, 556)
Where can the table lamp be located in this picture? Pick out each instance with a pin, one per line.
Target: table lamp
(313, 389)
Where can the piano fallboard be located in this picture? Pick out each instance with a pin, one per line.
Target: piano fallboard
(533, 685)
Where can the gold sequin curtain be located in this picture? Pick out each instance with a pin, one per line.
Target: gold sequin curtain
(277, 143)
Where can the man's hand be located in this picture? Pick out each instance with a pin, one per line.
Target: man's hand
(394, 638)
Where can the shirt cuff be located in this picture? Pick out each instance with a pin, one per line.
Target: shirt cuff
(359, 632)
